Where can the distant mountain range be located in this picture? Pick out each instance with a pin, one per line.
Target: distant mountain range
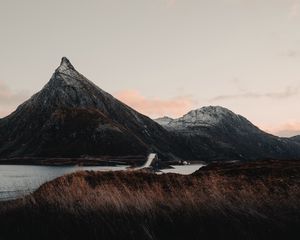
(217, 133)
(72, 117)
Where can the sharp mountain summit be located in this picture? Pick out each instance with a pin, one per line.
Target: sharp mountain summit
(72, 117)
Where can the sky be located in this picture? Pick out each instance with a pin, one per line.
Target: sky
(162, 57)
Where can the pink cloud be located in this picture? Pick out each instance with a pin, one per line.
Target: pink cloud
(5, 92)
(288, 129)
(9, 99)
(156, 107)
(5, 112)
(7, 96)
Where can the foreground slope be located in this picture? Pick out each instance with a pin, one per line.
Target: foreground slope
(72, 117)
(217, 133)
(257, 200)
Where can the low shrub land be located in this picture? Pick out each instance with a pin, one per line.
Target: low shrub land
(258, 200)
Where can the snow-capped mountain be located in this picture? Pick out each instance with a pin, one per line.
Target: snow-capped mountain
(71, 117)
(203, 117)
(215, 132)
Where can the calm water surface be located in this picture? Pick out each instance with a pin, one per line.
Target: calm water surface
(19, 180)
(184, 170)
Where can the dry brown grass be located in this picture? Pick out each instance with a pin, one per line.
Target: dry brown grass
(140, 205)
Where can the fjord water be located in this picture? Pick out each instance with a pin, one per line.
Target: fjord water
(19, 180)
(183, 169)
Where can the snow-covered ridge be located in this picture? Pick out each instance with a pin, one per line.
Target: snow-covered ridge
(68, 88)
(205, 116)
(65, 65)
(68, 74)
(210, 115)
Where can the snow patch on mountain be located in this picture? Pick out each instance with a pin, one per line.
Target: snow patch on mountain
(205, 116)
(65, 65)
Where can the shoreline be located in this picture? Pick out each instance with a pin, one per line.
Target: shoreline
(134, 161)
(218, 201)
(88, 162)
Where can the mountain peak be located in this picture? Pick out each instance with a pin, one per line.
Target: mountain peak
(68, 88)
(218, 110)
(65, 65)
(66, 75)
(211, 116)
(205, 116)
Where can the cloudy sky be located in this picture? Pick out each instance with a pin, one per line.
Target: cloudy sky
(162, 57)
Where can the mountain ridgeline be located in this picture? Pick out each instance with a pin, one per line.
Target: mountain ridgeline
(217, 133)
(72, 117)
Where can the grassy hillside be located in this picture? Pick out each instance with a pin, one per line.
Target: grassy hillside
(258, 200)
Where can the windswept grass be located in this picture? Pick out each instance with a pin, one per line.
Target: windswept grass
(218, 202)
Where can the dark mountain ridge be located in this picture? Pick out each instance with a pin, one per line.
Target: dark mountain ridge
(217, 133)
(73, 118)
(295, 138)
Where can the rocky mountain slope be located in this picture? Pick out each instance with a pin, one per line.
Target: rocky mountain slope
(295, 138)
(218, 133)
(72, 117)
